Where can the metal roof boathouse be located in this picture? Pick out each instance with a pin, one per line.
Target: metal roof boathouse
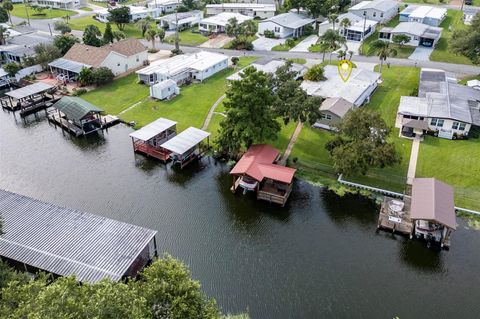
(64, 241)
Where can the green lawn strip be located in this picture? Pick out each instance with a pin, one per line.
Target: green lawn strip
(118, 95)
(86, 9)
(284, 47)
(187, 37)
(19, 11)
(130, 30)
(442, 53)
(455, 163)
(297, 60)
(465, 80)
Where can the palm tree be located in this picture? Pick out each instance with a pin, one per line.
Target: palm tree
(333, 40)
(350, 54)
(345, 23)
(8, 6)
(333, 18)
(144, 24)
(383, 51)
(150, 35)
(3, 34)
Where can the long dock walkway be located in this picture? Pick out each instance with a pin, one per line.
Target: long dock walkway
(412, 166)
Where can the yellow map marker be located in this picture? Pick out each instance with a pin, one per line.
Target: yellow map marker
(345, 69)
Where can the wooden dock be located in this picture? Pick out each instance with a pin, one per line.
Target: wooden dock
(57, 118)
(395, 215)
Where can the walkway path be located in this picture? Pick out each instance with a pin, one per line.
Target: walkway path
(304, 45)
(292, 142)
(412, 166)
(211, 111)
(421, 54)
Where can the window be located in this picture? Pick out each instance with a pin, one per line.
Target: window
(381, 14)
(455, 125)
(437, 122)
(118, 64)
(374, 13)
(137, 58)
(151, 78)
(458, 126)
(326, 116)
(415, 38)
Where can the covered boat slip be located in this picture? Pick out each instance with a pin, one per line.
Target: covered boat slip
(186, 146)
(29, 99)
(257, 171)
(62, 241)
(148, 139)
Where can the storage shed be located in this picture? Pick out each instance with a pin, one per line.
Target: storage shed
(164, 90)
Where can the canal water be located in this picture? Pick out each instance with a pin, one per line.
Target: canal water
(318, 257)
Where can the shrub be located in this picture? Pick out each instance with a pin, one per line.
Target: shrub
(308, 30)
(12, 68)
(102, 75)
(315, 73)
(290, 42)
(78, 92)
(241, 44)
(235, 60)
(269, 34)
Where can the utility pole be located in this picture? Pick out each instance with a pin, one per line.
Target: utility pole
(26, 11)
(177, 46)
(364, 25)
(50, 28)
(463, 3)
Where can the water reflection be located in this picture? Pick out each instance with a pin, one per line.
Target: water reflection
(415, 254)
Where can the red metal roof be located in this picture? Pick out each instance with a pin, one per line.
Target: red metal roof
(257, 163)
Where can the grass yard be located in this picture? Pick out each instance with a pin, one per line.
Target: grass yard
(314, 162)
(86, 9)
(297, 60)
(19, 11)
(442, 52)
(130, 29)
(455, 163)
(285, 47)
(464, 81)
(187, 37)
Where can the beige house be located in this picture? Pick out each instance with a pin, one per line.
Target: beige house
(332, 111)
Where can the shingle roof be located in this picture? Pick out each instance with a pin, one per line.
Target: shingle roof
(338, 106)
(127, 47)
(75, 108)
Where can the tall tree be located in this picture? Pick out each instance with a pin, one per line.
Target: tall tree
(360, 143)
(345, 23)
(161, 34)
(467, 41)
(233, 28)
(145, 24)
(383, 51)
(189, 4)
(118, 35)
(151, 35)
(92, 36)
(249, 28)
(249, 114)
(4, 33)
(295, 4)
(8, 6)
(333, 19)
(65, 42)
(108, 34)
(318, 8)
(4, 15)
(120, 16)
(46, 53)
(61, 26)
(333, 39)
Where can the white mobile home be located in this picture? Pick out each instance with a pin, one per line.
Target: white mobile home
(217, 23)
(136, 13)
(420, 34)
(184, 68)
(164, 90)
(182, 20)
(60, 4)
(423, 14)
(259, 10)
(165, 6)
(286, 25)
(377, 10)
(358, 30)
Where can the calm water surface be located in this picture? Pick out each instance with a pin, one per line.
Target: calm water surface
(318, 257)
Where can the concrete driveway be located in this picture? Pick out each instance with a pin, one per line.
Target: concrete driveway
(217, 42)
(353, 46)
(305, 44)
(421, 54)
(265, 44)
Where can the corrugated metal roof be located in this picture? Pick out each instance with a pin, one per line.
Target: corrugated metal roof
(65, 241)
(75, 108)
(156, 127)
(222, 19)
(185, 141)
(29, 90)
(290, 20)
(69, 65)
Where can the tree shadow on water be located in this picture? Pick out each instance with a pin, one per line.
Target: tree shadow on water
(414, 253)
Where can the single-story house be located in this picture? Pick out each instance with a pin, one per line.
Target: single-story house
(286, 25)
(60, 4)
(358, 29)
(377, 10)
(4, 78)
(420, 34)
(21, 46)
(475, 84)
(164, 90)
(423, 14)
(259, 10)
(332, 111)
(120, 57)
(446, 108)
(182, 20)
(357, 90)
(184, 68)
(271, 67)
(165, 6)
(258, 1)
(136, 13)
(217, 23)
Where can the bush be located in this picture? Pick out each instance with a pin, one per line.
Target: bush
(241, 44)
(269, 34)
(290, 42)
(235, 60)
(315, 73)
(102, 75)
(308, 30)
(12, 68)
(78, 92)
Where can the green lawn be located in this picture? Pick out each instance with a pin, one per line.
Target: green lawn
(442, 52)
(314, 162)
(19, 11)
(130, 30)
(464, 81)
(456, 163)
(86, 9)
(297, 60)
(187, 37)
(284, 47)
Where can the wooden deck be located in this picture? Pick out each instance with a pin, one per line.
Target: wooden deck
(57, 119)
(271, 194)
(148, 150)
(399, 222)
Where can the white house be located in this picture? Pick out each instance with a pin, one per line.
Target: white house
(420, 34)
(259, 1)
(184, 68)
(120, 57)
(357, 30)
(475, 84)
(183, 20)
(217, 23)
(357, 90)
(271, 67)
(164, 90)
(136, 13)
(286, 25)
(259, 10)
(377, 10)
(445, 108)
(60, 4)
(20, 46)
(423, 14)
(165, 6)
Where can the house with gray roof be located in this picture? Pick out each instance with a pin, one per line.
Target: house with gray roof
(332, 111)
(419, 34)
(18, 47)
(444, 108)
(182, 20)
(358, 29)
(286, 25)
(270, 67)
(423, 14)
(377, 10)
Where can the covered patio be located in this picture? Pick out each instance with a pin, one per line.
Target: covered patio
(186, 146)
(413, 127)
(66, 70)
(148, 139)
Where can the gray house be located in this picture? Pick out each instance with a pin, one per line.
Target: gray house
(423, 14)
(332, 111)
(420, 34)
